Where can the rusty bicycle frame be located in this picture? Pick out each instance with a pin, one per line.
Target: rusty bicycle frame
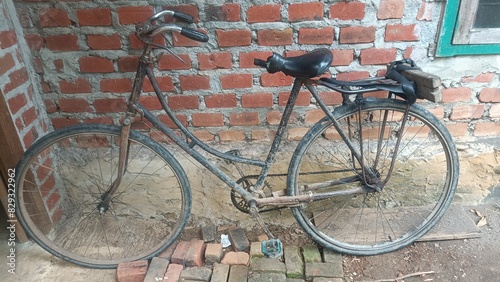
(371, 181)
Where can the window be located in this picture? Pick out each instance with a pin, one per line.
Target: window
(470, 27)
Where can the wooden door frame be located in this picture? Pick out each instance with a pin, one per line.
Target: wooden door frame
(11, 150)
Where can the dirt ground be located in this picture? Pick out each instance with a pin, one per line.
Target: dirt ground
(455, 260)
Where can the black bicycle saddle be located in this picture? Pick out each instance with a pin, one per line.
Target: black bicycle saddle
(309, 65)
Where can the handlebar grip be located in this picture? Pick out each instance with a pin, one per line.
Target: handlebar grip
(194, 34)
(260, 63)
(184, 17)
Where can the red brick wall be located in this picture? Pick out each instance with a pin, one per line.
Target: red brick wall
(16, 81)
(85, 55)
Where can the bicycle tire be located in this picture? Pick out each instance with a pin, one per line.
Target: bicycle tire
(412, 201)
(69, 170)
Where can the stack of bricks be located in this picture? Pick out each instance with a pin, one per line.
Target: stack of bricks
(196, 260)
(85, 54)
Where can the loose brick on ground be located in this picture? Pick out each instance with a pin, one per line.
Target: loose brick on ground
(157, 269)
(196, 274)
(271, 277)
(213, 253)
(134, 271)
(167, 254)
(236, 258)
(195, 253)
(320, 269)
(267, 265)
(179, 255)
(220, 273)
(238, 273)
(173, 273)
(293, 262)
(209, 233)
(256, 250)
(239, 240)
(311, 253)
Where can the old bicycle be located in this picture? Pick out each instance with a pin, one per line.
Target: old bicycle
(370, 177)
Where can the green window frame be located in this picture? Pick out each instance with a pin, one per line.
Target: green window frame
(449, 27)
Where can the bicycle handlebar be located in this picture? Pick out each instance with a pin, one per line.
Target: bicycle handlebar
(178, 15)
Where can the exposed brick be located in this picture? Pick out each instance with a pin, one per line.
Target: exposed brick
(136, 44)
(164, 82)
(150, 102)
(179, 255)
(116, 85)
(134, 14)
(263, 135)
(157, 269)
(208, 119)
(487, 129)
(62, 42)
(231, 38)
(495, 111)
(129, 64)
(244, 119)
(204, 135)
(274, 37)
(183, 41)
(264, 13)
(357, 34)
(104, 42)
(17, 102)
(246, 59)
(173, 273)
(353, 75)
(58, 123)
(239, 240)
(17, 78)
(231, 81)
(257, 100)
(304, 98)
(99, 120)
(342, 57)
(314, 116)
(213, 253)
(274, 117)
(331, 97)
(480, 78)
(316, 35)
(94, 17)
(399, 32)
(305, 11)
(168, 122)
(425, 11)
(6, 63)
(460, 94)
(275, 79)
(391, 9)
(229, 12)
(236, 258)
(375, 56)
(54, 18)
(35, 41)
(29, 116)
(74, 105)
(167, 254)
(195, 253)
(7, 38)
(347, 11)
(189, 9)
(232, 135)
(79, 85)
(467, 112)
(170, 62)
(110, 105)
(221, 101)
(134, 271)
(94, 64)
(220, 273)
(490, 95)
(458, 130)
(184, 102)
(221, 60)
(194, 82)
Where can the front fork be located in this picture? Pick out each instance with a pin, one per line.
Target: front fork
(124, 144)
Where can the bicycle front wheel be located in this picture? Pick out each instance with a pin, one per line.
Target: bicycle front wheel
(415, 196)
(63, 178)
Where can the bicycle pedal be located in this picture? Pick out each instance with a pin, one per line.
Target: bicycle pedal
(272, 248)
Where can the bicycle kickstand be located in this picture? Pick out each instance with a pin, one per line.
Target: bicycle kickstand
(272, 248)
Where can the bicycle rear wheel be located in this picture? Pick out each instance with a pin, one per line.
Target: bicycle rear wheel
(415, 197)
(63, 177)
